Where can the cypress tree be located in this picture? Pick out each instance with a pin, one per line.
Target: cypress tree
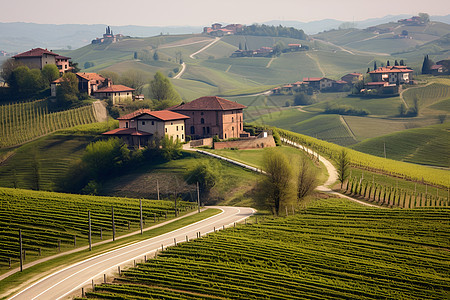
(402, 62)
(387, 64)
(375, 65)
(396, 63)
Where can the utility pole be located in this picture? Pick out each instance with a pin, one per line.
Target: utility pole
(384, 147)
(198, 198)
(140, 207)
(113, 225)
(90, 232)
(21, 250)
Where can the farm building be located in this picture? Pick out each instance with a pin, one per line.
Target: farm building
(139, 127)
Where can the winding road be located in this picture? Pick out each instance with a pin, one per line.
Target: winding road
(64, 282)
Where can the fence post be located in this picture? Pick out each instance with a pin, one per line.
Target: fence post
(20, 249)
(198, 197)
(140, 209)
(113, 224)
(90, 235)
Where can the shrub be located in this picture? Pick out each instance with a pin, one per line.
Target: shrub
(345, 110)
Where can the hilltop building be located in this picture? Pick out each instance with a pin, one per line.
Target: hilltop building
(143, 125)
(108, 37)
(37, 58)
(352, 77)
(216, 29)
(395, 75)
(210, 116)
(319, 83)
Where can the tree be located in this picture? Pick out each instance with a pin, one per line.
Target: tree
(405, 32)
(240, 45)
(67, 91)
(50, 73)
(426, 65)
(161, 89)
(7, 69)
(307, 179)
(301, 98)
(343, 166)
(25, 83)
(115, 78)
(135, 79)
(396, 63)
(388, 63)
(170, 148)
(368, 70)
(205, 174)
(402, 110)
(156, 56)
(375, 65)
(424, 17)
(278, 188)
(88, 65)
(104, 158)
(402, 62)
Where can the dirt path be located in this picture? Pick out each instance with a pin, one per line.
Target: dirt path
(317, 63)
(185, 44)
(183, 68)
(270, 62)
(100, 111)
(204, 48)
(228, 69)
(349, 130)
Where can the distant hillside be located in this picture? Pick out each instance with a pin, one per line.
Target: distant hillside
(19, 36)
(385, 38)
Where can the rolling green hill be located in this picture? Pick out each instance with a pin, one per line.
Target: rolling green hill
(427, 145)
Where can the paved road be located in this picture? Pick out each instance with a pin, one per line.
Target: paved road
(72, 278)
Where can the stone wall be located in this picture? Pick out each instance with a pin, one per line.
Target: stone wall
(252, 143)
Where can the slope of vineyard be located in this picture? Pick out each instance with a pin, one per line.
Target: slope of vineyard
(46, 218)
(47, 159)
(21, 122)
(334, 249)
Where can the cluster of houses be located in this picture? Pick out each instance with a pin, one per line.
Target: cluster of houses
(413, 21)
(216, 29)
(92, 84)
(321, 83)
(202, 118)
(267, 51)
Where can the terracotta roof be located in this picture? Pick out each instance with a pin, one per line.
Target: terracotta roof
(354, 74)
(392, 69)
(116, 88)
(126, 131)
(436, 67)
(341, 81)
(164, 115)
(36, 52)
(91, 76)
(313, 79)
(298, 82)
(209, 103)
(62, 57)
(60, 79)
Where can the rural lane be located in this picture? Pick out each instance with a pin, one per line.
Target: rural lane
(64, 282)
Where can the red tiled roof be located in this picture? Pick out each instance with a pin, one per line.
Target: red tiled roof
(36, 52)
(164, 115)
(313, 79)
(436, 67)
(126, 131)
(91, 76)
(341, 81)
(116, 88)
(392, 69)
(298, 82)
(62, 57)
(209, 103)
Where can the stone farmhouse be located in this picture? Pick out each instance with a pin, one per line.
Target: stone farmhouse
(116, 93)
(211, 116)
(37, 58)
(108, 37)
(352, 77)
(216, 29)
(141, 126)
(394, 75)
(318, 83)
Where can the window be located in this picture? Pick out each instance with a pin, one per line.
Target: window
(143, 122)
(177, 128)
(182, 127)
(166, 129)
(225, 135)
(232, 119)
(171, 123)
(182, 136)
(153, 122)
(202, 121)
(232, 128)
(126, 124)
(192, 130)
(207, 130)
(178, 137)
(204, 130)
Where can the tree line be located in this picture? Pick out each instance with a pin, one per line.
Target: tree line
(278, 31)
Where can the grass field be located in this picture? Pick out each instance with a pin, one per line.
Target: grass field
(46, 218)
(427, 145)
(332, 250)
(52, 155)
(429, 94)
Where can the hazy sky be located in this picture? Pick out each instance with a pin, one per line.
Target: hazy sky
(203, 12)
